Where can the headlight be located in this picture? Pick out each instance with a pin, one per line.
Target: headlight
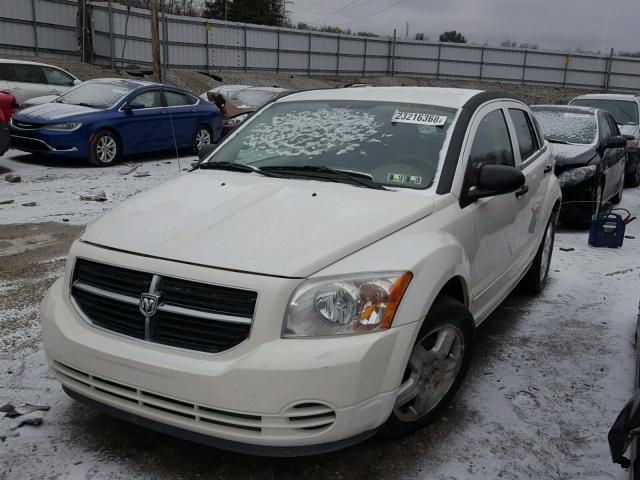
(345, 305)
(633, 143)
(235, 121)
(576, 175)
(63, 127)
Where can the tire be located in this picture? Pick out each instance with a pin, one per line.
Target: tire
(618, 197)
(447, 320)
(201, 136)
(536, 277)
(633, 178)
(105, 149)
(580, 217)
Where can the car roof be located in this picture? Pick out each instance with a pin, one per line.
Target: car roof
(607, 96)
(567, 108)
(127, 82)
(446, 97)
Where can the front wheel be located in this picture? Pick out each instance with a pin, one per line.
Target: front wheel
(104, 149)
(632, 179)
(536, 278)
(437, 365)
(201, 137)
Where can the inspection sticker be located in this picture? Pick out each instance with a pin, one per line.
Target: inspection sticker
(418, 118)
(402, 178)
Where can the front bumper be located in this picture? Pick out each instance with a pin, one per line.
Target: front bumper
(61, 144)
(280, 393)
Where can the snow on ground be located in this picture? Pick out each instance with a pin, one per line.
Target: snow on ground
(55, 185)
(549, 375)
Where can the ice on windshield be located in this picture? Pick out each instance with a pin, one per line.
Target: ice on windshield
(359, 136)
(253, 98)
(96, 94)
(567, 126)
(625, 112)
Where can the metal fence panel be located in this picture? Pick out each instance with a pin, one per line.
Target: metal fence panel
(504, 57)
(122, 36)
(502, 72)
(16, 34)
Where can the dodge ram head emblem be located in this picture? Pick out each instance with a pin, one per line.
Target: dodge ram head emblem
(149, 304)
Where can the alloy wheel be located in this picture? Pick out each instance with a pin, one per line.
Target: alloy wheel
(433, 366)
(106, 149)
(203, 137)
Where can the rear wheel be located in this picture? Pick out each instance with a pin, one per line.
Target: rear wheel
(201, 137)
(536, 278)
(437, 365)
(104, 149)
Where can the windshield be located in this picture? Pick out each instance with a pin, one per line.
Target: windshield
(96, 95)
(396, 144)
(253, 98)
(625, 112)
(567, 126)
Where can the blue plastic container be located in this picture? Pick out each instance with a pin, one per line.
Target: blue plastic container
(607, 230)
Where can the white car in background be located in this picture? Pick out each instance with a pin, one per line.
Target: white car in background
(319, 278)
(31, 79)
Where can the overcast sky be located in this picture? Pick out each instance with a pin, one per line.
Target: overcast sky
(554, 24)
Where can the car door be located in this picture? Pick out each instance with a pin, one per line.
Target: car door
(615, 159)
(536, 164)
(609, 157)
(57, 80)
(29, 82)
(494, 218)
(146, 126)
(183, 116)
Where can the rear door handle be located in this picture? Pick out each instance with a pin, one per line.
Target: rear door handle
(548, 169)
(524, 189)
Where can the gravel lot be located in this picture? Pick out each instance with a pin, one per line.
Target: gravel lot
(550, 374)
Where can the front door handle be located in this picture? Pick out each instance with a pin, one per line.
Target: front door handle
(548, 169)
(524, 189)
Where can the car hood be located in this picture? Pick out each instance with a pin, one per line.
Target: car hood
(573, 155)
(250, 223)
(48, 112)
(629, 130)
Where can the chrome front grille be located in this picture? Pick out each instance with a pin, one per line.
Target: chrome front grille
(301, 419)
(177, 312)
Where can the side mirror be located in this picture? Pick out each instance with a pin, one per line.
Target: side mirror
(615, 142)
(205, 151)
(495, 180)
(77, 82)
(130, 107)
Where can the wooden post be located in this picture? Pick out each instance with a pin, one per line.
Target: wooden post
(155, 42)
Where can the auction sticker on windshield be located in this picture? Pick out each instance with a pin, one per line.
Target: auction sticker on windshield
(418, 118)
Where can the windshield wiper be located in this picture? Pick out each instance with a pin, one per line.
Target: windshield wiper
(90, 105)
(333, 174)
(234, 167)
(556, 140)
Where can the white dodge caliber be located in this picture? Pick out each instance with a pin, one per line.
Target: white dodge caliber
(319, 278)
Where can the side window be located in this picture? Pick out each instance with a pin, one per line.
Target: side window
(492, 144)
(57, 77)
(524, 132)
(613, 126)
(29, 73)
(605, 128)
(6, 72)
(175, 99)
(150, 99)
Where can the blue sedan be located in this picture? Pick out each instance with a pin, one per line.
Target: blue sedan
(104, 119)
